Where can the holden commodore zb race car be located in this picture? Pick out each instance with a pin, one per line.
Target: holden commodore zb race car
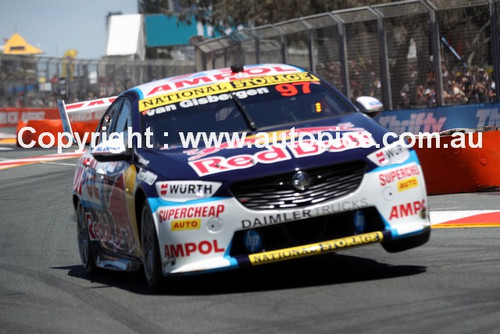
(240, 166)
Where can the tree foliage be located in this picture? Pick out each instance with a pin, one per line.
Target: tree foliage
(154, 6)
(228, 14)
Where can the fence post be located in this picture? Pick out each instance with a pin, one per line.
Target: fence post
(283, 48)
(495, 44)
(257, 47)
(312, 65)
(344, 66)
(384, 59)
(200, 58)
(436, 52)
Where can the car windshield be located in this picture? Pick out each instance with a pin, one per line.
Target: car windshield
(245, 110)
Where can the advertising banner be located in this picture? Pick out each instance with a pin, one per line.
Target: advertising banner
(439, 119)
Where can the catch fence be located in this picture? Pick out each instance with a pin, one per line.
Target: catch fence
(409, 54)
(32, 81)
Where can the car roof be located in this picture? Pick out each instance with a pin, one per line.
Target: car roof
(203, 78)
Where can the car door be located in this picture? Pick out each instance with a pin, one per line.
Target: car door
(115, 186)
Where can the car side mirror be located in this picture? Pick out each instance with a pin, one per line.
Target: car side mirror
(111, 150)
(369, 105)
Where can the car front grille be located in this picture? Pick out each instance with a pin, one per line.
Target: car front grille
(306, 231)
(277, 192)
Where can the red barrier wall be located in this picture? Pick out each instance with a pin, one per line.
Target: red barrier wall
(9, 117)
(457, 170)
(52, 126)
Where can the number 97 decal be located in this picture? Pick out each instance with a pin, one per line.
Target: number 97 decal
(290, 89)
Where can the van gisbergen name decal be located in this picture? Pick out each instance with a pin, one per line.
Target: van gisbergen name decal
(223, 87)
(315, 249)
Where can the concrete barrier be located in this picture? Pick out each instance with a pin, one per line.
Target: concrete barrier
(35, 132)
(10, 117)
(457, 170)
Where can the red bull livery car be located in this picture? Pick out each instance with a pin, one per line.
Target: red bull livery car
(241, 166)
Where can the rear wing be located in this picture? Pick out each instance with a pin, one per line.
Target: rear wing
(82, 112)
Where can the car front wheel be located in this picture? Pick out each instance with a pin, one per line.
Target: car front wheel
(150, 249)
(84, 247)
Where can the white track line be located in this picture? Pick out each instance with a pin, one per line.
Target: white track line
(438, 217)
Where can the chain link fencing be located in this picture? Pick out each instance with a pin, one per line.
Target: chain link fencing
(409, 54)
(30, 81)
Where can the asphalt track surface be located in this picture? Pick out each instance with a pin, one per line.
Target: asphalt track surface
(449, 285)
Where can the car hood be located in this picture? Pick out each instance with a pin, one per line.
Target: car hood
(353, 137)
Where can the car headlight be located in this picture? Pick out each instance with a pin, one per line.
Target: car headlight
(182, 191)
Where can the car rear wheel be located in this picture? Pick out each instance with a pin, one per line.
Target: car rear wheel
(84, 246)
(150, 249)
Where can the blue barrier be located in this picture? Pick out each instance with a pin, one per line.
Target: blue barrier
(476, 116)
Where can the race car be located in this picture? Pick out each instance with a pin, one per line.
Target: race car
(240, 166)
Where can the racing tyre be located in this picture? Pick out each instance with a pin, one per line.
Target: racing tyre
(150, 249)
(407, 243)
(84, 246)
